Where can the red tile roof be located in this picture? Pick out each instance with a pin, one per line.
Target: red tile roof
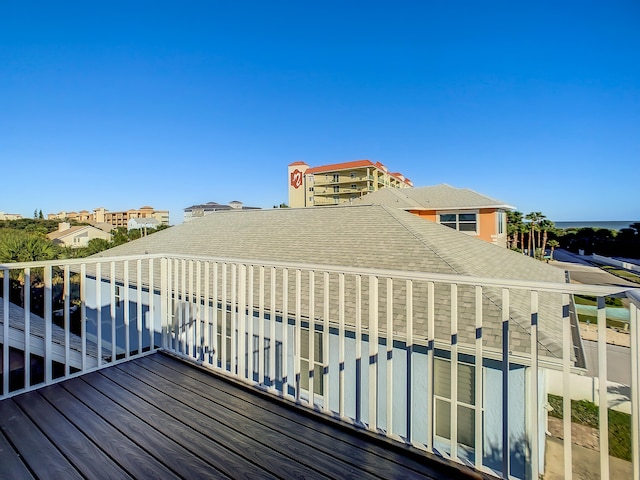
(342, 166)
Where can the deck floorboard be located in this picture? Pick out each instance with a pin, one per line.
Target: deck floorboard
(159, 417)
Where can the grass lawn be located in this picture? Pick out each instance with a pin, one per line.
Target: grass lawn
(586, 413)
(619, 272)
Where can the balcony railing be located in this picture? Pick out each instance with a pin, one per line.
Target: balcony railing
(460, 366)
(322, 180)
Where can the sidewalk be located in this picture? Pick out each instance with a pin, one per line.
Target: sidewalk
(585, 462)
(590, 332)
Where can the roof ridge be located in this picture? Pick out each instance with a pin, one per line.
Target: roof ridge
(411, 231)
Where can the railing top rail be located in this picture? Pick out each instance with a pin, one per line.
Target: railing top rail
(542, 286)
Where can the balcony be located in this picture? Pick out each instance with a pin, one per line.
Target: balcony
(322, 180)
(431, 373)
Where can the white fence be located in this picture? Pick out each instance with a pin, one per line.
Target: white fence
(451, 364)
(616, 263)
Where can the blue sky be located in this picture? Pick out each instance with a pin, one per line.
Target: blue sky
(124, 104)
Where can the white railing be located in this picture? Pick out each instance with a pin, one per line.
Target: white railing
(450, 364)
(57, 321)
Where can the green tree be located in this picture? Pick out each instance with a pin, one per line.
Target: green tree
(553, 244)
(21, 247)
(120, 236)
(546, 226)
(96, 245)
(514, 224)
(534, 218)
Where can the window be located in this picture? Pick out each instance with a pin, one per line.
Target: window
(336, 177)
(336, 189)
(501, 223)
(353, 174)
(466, 404)
(353, 185)
(267, 358)
(464, 222)
(227, 316)
(118, 296)
(318, 366)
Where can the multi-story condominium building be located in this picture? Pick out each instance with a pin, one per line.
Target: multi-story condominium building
(197, 211)
(10, 216)
(339, 183)
(115, 219)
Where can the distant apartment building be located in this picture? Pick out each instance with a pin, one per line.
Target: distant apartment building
(115, 219)
(339, 183)
(10, 216)
(201, 210)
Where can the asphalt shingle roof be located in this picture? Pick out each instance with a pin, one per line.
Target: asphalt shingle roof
(441, 196)
(374, 236)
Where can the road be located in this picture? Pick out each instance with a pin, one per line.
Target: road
(582, 271)
(618, 362)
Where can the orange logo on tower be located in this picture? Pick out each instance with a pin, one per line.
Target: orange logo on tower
(296, 178)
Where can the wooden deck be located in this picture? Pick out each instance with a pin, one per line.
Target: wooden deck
(157, 417)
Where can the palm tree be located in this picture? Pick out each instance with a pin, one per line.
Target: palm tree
(545, 226)
(534, 218)
(523, 229)
(552, 245)
(514, 224)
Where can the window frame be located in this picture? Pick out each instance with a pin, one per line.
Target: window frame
(458, 221)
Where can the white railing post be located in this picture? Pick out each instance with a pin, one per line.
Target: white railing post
(272, 330)
(296, 335)
(326, 326)
(164, 303)
(358, 320)
(139, 320)
(454, 371)
(389, 365)
(341, 352)
(285, 331)
(48, 320)
(206, 346)
(261, 320)
(566, 382)
(603, 418)
(198, 347)
(66, 293)
(430, 363)
(373, 353)
(112, 310)
(127, 340)
(506, 447)
(479, 404)
(409, 335)
(248, 306)
(152, 308)
(634, 333)
(214, 320)
(534, 393)
(27, 328)
(241, 322)
(312, 337)
(5, 331)
(189, 313)
(223, 323)
(83, 315)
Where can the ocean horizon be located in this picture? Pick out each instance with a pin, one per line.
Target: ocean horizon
(609, 224)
